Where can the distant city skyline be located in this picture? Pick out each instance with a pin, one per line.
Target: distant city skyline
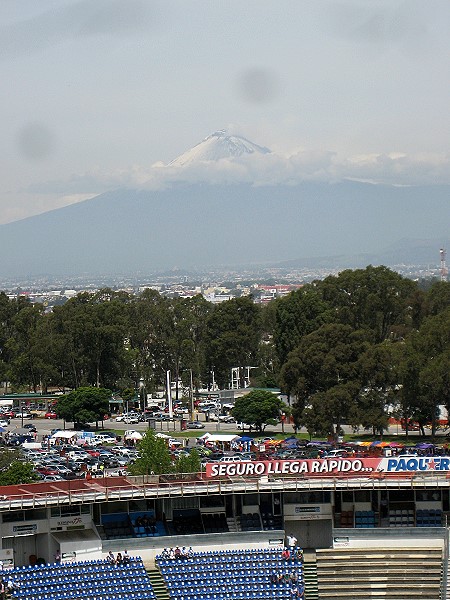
(103, 93)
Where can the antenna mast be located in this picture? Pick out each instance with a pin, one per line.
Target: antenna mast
(443, 269)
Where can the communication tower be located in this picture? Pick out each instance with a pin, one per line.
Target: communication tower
(443, 269)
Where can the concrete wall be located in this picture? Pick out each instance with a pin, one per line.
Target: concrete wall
(149, 547)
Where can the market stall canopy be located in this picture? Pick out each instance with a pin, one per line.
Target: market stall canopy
(133, 435)
(66, 434)
(220, 437)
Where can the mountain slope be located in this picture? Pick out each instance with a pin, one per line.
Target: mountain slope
(204, 225)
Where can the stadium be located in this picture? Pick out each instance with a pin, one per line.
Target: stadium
(369, 528)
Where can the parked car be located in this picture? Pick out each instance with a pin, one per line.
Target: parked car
(195, 425)
(245, 426)
(31, 428)
(50, 415)
(336, 454)
(226, 419)
(4, 423)
(22, 414)
(131, 419)
(127, 416)
(7, 414)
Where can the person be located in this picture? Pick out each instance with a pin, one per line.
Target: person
(294, 591)
(12, 586)
(171, 554)
(184, 553)
(190, 552)
(58, 557)
(111, 558)
(291, 541)
(301, 590)
(119, 559)
(300, 554)
(285, 555)
(2, 590)
(177, 553)
(274, 578)
(164, 554)
(126, 557)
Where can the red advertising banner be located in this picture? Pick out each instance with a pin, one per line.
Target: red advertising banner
(329, 466)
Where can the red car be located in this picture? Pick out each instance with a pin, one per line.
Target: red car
(47, 471)
(51, 415)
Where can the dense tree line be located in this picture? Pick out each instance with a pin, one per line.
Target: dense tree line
(345, 348)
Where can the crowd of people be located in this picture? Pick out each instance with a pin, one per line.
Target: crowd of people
(177, 553)
(7, 587)
(148, 523)
(121, 560)
(291, 553)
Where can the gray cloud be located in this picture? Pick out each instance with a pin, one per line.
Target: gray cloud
(375, 23)
(84, 18)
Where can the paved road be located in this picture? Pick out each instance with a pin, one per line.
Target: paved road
(44, 426)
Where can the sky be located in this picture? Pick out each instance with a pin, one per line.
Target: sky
(102, 93)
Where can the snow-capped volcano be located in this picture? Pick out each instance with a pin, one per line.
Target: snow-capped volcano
(216, 146)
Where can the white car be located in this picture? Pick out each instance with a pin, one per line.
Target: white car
(104, 439)
(245, 426)
(227, 419)
(131, 419)
(4, 423)
(127, 416)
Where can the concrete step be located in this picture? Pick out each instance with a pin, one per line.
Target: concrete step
(158, 585)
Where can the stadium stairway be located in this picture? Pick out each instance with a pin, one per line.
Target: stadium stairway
(310, 575)
(390, 574)
(159, 587)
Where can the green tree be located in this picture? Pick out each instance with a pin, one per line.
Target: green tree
(232, 337)
(18, 472)
(374, 298)
(190, 463)
(84, 405)
(259, 408)
(326, 363)
(297, 315)
(154, 458)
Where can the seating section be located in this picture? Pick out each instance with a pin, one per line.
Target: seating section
(187, 522)
(429, 518)
(346, 519)
(215, 522)
(231, 575)
(250, 522)
(138, 524)
(392, 574)
(401, 518)
(366, 519)
(117, 526)
(93, 580)
(271, 522)
(144, 524)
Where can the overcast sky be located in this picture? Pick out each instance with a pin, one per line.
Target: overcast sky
(95, 92)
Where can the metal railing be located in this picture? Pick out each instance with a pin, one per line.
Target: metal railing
(154, 487)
